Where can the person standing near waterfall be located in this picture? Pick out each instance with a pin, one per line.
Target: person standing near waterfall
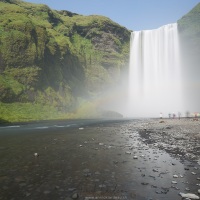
(179, 115)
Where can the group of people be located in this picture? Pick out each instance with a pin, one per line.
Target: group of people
(173, 115)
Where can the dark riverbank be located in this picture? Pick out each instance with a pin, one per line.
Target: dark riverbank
(89, 159)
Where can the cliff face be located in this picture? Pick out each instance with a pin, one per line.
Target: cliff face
(189, 28)
(54, 57)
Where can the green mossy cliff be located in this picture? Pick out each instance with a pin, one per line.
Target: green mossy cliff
(56, 59)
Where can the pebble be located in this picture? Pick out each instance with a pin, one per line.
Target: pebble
(175, 176)
(174, 182)
(46, 192)
(155, 170)
(135, 157)
(199, 191)
(71, 189)
(36, 154)
(189, 195)
(75, 196)
(128, 152)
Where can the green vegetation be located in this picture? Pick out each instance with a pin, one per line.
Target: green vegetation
(13, 112)
(50, 59)
(189, 28)
(189, 23)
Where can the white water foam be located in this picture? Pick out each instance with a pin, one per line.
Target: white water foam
(155, 80)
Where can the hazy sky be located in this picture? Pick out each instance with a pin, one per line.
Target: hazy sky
(133, 14)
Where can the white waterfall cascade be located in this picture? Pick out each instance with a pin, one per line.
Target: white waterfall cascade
(155, 80)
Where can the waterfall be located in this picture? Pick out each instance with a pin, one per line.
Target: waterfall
(155, 80)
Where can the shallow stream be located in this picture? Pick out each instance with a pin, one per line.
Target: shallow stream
(88, 159)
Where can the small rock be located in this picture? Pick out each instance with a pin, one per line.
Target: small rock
(193, 173)
(173, 164)
(102, 186)
(199, 191)
(71, 189)
(135, 157)
(36, 154)
(57, 187)
(145, 183)
(46, 192)
(189, 195)
(128, 152)
(75, 196)
(155, 170)
(175, 176)
(174, 182)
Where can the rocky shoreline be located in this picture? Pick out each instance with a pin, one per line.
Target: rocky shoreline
(179, 137)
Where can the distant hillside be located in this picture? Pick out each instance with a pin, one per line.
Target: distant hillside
(52, 61)
(189, 27)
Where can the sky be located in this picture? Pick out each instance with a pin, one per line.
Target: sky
(135, 15)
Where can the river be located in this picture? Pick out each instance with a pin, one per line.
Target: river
(88, 159)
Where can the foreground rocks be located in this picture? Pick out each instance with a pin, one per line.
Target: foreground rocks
(180, 138)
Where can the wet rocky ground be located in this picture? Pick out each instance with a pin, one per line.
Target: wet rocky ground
(179, 137)
(148, 159)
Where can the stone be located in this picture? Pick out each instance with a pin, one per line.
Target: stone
(189, 195)
(174, 182)
(135, 157)
(36, 154)
(75, 196)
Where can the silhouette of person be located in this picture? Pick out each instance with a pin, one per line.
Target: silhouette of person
(179, 115)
